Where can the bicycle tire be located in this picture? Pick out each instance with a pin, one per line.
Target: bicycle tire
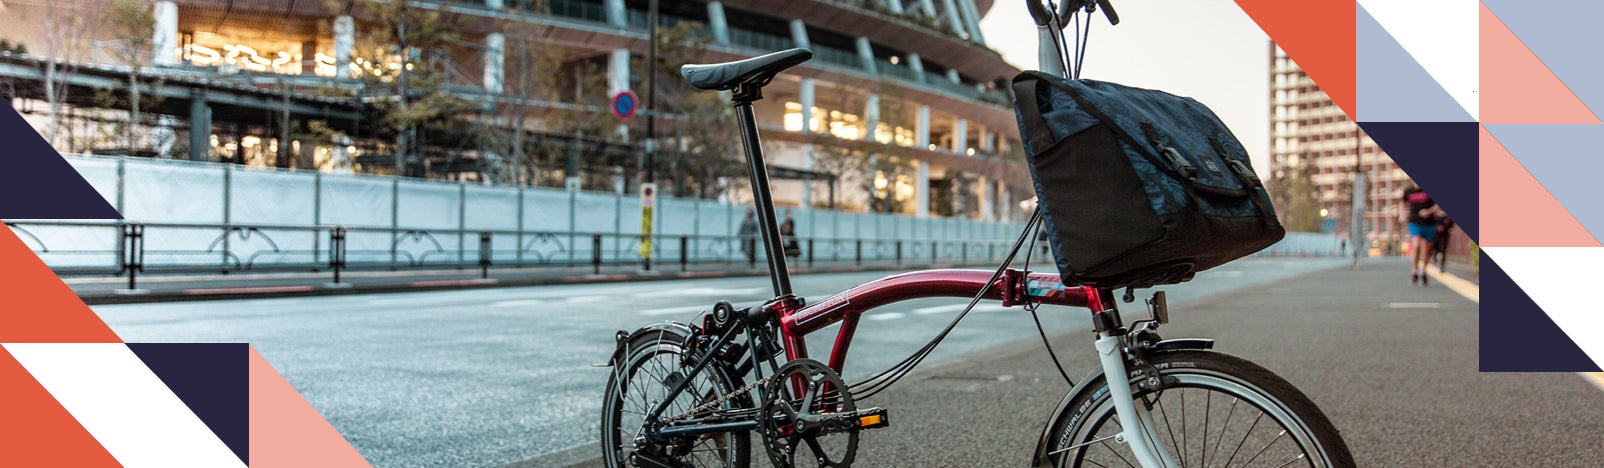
(1074, 435)
(650, 360)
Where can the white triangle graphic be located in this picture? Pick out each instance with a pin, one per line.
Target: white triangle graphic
(1443, 36)
(1555, 279)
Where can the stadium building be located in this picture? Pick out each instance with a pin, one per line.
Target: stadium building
(908, 84)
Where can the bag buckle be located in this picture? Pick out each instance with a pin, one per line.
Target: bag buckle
(1243, 171)
(1180, 163)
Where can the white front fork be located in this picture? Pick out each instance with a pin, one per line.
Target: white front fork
(1139, 436)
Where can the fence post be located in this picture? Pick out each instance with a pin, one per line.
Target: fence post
(859, 254)
(134, 257)
(484, 254)
(899, 252)
(934, 247)
(810, 253)
(596, 253)
(337, 251)
(683, 243)
(317, 216)
(963, 255)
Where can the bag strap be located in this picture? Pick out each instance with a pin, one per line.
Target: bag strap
(1026, 88)
(1251, 181)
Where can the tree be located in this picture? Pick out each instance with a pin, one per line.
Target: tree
(406, 63)
(131, 22)
(539, 76)
(704, 144)
(64, 37)
(1295, 197)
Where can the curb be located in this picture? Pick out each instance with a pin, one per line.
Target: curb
(324, 289)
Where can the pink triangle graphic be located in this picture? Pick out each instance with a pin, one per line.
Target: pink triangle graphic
(1516, 211)
(1516, 88)
(286, 431)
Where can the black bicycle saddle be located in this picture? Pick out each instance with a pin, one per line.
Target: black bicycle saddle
(756, 70)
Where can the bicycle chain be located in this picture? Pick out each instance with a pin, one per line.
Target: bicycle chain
(717, 401)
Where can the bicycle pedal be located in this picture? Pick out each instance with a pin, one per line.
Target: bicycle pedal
(852, 421)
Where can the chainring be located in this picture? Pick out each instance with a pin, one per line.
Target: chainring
(781, 420)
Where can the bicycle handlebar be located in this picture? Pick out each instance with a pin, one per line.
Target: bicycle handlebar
(1043, 17)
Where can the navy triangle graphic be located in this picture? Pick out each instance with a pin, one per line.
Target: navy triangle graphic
(1516, 336)
(213, 379)
(1392, 86)
(1443, 157)
(1562, 159)
(36, 183)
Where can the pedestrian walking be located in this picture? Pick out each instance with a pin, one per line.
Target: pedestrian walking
(1421, 213)
(793, 249)
(748, 235)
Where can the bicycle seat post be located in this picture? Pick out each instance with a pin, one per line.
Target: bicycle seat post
(742, 96)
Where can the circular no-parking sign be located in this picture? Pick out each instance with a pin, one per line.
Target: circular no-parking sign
(624, 104)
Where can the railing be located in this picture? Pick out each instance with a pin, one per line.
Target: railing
(127, 248)
(577, 9)
(900, 71)
(761, 41)
(836, 56)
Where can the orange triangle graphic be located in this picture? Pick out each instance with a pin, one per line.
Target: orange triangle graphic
(1516, 210)
(37, 306)
(1319, 36)
(1516, 88)
(286, 431)
(36, 430)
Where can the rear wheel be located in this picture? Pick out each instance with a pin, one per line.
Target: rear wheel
(1222, 411)
(653, 365)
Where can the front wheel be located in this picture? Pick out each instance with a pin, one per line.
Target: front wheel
(1221, 411)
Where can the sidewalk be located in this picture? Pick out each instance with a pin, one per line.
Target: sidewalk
(168, 288)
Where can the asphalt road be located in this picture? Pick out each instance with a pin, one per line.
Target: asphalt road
(494, 376)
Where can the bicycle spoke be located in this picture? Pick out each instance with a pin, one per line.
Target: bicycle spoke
(1244, 439)
(1205, 445)
(1289, 462)
(1167, 427)
(1227, 424)
(1117, 454)
(1266, 446)
(1183, 428)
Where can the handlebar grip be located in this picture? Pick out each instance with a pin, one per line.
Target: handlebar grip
(1108, 11)
(1038, 12)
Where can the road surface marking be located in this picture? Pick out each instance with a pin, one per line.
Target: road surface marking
(886, 316)
(466, 282)
(675, 310)
(1414, 305)
(1456, 284)
(709, 292)
(1596, 378)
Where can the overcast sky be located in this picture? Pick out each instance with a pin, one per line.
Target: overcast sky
(1208, 50)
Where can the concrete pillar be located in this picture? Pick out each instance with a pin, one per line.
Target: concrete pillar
(495, 4)
(987, 144)
(799, 33)
(309, 57)
(953, 20)
(921, 187)
(806, 96)
(918, 66)
(344, 43)
(200, 126)
(871, 116)
(164, 39)
(715, 18)
(617, 71)
(960, 137)
(984, 192)
(928, 7)
(807, 185)
(495, 62)
(922, 129)
(1005, 204)
(895, 6)
(617, 14)
(866, 53)
(972, 18)
(952, 75)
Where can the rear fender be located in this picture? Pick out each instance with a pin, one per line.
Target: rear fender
(1043, 445)
(620, 349)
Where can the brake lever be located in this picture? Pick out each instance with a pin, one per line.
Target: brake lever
(1108, 11)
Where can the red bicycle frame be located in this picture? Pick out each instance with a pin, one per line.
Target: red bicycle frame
(1012, 288)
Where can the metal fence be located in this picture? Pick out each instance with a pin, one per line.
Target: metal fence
(219, 217)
